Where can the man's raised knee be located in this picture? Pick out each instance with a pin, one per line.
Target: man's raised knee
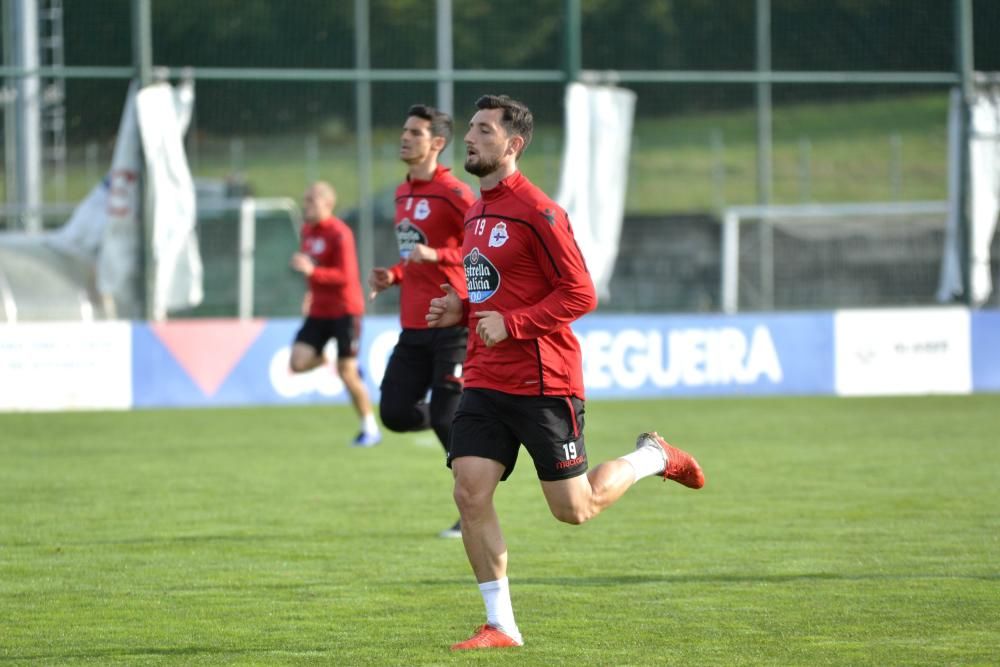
(398, 420)
(571, 514)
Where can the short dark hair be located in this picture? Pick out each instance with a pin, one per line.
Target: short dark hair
(441, 123)
(516, 118)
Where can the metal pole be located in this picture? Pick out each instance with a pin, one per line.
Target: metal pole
(445, 65)
(363, 112)
(574, 50)
(248, 242)
(10, 126)
(730, 279)
(764, 164)
(27, 105)
(965, 70)
(142, 62)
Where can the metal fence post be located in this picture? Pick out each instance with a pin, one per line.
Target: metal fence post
(965, 70)
(363, 112)
(764, 149)
(142, 61)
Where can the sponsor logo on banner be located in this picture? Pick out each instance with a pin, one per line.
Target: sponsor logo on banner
(690, 357)
(911, 351)
(65, 366)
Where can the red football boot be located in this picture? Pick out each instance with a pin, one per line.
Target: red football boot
(486, 637)
(681, 466)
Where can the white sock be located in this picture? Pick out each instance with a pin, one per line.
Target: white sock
(646, 461)
(368, 424)
(499, 610)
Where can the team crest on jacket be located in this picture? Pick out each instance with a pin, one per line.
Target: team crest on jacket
(481, 277)
(407, 236)
(316, 246)
(498, 235)
(423, 210)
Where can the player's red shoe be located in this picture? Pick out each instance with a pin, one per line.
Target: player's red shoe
(681, 466)
(486, 637)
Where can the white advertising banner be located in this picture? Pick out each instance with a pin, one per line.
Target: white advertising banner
(65, 366)
(905, 351)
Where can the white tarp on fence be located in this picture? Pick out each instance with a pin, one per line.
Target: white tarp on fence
(164, 113)
(595, 172)
(106, 228)
(984, 195)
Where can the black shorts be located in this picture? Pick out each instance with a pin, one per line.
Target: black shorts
(493, 425)
(317, 331)
(425, 359)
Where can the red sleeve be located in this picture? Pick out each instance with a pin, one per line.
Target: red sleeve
(449, 256)
(573, 294)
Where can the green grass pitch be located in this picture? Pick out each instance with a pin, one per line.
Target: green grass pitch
(831, 532)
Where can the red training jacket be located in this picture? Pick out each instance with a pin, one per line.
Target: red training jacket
(429, 212)
(335, 283)
(521, 259)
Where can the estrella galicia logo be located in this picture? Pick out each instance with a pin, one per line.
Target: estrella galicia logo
(481, 277)
(407, 236)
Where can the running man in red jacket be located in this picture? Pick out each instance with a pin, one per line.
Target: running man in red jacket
(527, 282)
(333, 303)
(430, 215)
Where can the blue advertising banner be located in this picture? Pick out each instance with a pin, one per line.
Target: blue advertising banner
(703, 355)
(985, 350)
(232, 362)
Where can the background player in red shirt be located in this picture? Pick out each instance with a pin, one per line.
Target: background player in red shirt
(430, 215)
(527, 282)
(333, 303)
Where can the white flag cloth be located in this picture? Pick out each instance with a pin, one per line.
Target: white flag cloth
(105, 226)
(595, 173)
(118, 268)
(163, 116)
(984, 195)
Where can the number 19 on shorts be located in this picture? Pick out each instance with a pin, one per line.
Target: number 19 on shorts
(569, 450)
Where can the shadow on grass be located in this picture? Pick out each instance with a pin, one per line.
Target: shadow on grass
(173, 539)
(149, 540)
(178, 652)
(745, 578)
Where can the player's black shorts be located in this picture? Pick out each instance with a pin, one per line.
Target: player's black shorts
(493, 425)
(426, 358)
(316, 331)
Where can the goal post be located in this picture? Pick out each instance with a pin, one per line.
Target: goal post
(828, 255)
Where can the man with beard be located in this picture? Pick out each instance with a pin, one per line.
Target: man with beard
(527, 282)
